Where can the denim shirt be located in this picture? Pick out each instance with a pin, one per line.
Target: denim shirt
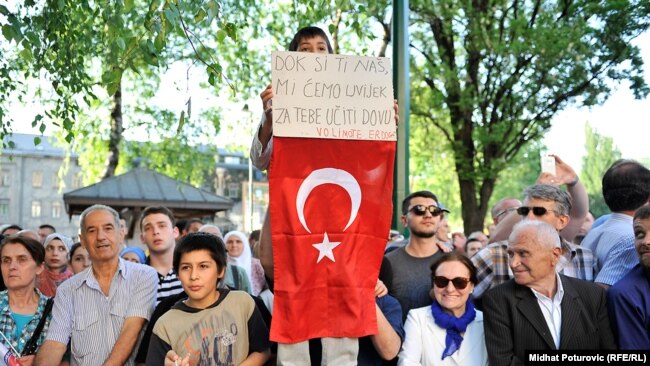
(7, 324)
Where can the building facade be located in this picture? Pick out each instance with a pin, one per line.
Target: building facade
(33, 179)
(232, 179)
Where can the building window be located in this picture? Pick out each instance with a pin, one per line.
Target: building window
(233, 190)
(56, 210)
(37, 178)
(5, 179)
(56, 181)
(36, 208)
(232, 160)
(77, 182)
(4, 208)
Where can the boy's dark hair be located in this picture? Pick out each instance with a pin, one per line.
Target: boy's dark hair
(255, 235)
(34, 247)
(626, 185)
(470, 241)
(180, 225)
(407, 200)
(642, 213)
(47, 226)
(189, 222)
(201, 241)
(307, 33)
(74, 248)
(150, 210)
(15, 227)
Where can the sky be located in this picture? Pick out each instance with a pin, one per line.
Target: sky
(621, 117)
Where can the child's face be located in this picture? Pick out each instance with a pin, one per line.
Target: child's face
(56, 255)
(199, 275)
(80, 260)
(316, 44)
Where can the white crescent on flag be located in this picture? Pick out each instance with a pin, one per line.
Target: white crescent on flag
(328, 176)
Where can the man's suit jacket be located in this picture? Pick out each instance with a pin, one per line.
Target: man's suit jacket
(514, 322)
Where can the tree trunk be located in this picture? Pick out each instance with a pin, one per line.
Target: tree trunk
(473, 210)
(385, 40)
(475, 193)
(335, 33)
(116, 134)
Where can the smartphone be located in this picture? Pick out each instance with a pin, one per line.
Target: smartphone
(548, 164)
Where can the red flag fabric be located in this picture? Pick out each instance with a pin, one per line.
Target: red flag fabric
(330, 213)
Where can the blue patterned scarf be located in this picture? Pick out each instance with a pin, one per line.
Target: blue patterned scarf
(453, 325)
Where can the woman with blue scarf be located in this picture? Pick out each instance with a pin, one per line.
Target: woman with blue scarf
(450, 331)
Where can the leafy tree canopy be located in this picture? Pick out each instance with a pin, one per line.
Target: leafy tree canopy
(601, 153)
(500, 70)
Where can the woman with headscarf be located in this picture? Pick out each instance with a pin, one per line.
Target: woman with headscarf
(239, 254)
(450, 331)
(133, 254)
(57, 250)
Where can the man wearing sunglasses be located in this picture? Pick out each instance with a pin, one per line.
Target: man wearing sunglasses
(406, 270)
(565, 177)
(541, 309)
(545, 203)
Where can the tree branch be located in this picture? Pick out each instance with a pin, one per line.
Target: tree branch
(435, 122)
(187, 32)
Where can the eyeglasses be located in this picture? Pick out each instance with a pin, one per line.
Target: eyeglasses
(537, 211)
(458, 282)
(507, 210)
(420, 210)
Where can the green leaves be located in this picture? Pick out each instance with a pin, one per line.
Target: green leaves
(181, 122)
(200, 15)
(111, 80)
(212, 10)
(221, 35)
(128, 6)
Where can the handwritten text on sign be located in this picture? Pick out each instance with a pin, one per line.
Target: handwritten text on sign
(332, 96)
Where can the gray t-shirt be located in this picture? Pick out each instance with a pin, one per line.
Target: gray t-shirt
(408, 278)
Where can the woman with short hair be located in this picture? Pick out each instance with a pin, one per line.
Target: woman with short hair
(24, 311)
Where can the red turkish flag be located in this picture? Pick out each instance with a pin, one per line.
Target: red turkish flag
(330, 212)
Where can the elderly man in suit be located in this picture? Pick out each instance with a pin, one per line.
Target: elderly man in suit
(540, 309)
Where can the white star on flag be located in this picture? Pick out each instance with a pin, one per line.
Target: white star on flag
(325, 248)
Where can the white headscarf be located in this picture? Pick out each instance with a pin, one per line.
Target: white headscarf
(64, 239)
(244, 259)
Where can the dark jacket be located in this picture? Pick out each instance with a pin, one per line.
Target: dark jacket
(515, 324)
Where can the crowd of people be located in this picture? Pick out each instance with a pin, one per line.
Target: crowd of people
(546, 277)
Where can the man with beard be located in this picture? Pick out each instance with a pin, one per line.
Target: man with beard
(629, 299)
(406, 270)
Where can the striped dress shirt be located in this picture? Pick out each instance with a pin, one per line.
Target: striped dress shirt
(613, 246)
(93, 321)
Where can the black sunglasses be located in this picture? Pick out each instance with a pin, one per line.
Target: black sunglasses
(537, 211)
(458, 282)
(422, 209)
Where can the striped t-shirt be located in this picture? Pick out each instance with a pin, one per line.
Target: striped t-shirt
(168, 285)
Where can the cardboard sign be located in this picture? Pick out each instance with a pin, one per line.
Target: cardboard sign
(333, 96)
